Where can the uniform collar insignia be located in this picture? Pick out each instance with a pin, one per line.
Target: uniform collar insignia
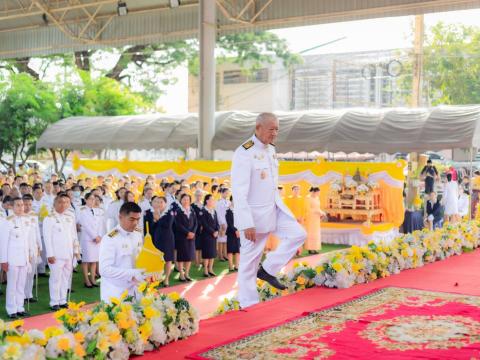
(248, 144)
(113, 233)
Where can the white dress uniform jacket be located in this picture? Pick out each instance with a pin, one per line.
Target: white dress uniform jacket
(255, 187)
(113, 211)
(61, 242)
(221, 208)
(36, 248)
(91, 226)
(15, 250)
(258, 205)
(118, 252)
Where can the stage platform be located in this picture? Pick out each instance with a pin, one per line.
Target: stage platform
(350, 233)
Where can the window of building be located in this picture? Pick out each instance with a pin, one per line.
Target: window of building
(241, 77)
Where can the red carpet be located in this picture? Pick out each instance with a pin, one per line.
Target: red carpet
(204, 295)
(391, 323)
(458, 274)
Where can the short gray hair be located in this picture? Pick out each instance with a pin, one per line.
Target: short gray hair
(262, 117)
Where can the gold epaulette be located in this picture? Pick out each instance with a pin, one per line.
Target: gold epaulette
(113, 233)
(248, 144)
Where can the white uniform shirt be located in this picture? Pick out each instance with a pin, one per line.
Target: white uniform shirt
(14, 242)
(118, 252)
(90, 224)
(255, 187)
(145, 205)
(112, 213)
(34, 236)
(37, 204)
(60, 236)
(221, 208)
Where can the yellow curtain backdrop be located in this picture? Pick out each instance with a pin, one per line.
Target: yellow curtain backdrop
(389, 176)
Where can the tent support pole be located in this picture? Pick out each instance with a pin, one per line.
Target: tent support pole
(470, 184)
(206, 114)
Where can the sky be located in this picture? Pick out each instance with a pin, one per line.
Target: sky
(363, 35)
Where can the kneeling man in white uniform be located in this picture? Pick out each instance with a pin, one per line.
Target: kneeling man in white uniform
(259, 211)
(118, 251)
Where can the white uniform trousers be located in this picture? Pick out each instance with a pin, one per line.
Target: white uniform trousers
(59, 282)
(291, 235)
(16, 277)
(29, 285)
(42, 266)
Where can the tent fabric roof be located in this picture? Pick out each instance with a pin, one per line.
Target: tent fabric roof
(348, 130)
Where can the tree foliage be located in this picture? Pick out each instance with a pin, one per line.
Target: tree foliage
(27, 107)
(451, 65)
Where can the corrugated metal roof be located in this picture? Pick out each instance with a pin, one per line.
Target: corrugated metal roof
(46, 27)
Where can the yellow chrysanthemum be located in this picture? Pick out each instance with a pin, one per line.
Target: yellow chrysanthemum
(58, 314)
(115, 337)
(174, 296)
(63, 344)
(12, 351)
(103, 345)
(79, 337)
(79, 351)
(337, 267)
(146, 301)
(115, 301)
(76, 306)
(150, 312)
(145, 331)
(141, 288)
(99, 317)
(52, 331)
(124, 295)
(15, 324)
(301, 280)
(22, 340)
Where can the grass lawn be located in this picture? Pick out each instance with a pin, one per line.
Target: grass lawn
(92, 295)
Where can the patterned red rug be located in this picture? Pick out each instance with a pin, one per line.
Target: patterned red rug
(390, 323)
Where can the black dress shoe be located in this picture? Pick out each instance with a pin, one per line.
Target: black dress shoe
(22, 314)
(45, 275)
(55, 308)
(31, 300)
(212, 273)
(94, 285)
(206, 275)
(88, 286)
(182, 280)
(12, 316)
(63, 306)
(272, 280)
(188, 278)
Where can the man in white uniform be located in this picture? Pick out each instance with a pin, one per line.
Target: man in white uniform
(259, 211)
(41, 206)
(35, 245)
(118, 252)
(63, 250)
(15, 258)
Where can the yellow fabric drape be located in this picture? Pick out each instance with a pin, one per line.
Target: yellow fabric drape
(390, 181)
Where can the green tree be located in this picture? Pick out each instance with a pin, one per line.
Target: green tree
(94, 97)
(27, 107)
(147, 68)
(451, 70)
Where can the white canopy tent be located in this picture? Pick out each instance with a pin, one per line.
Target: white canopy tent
(350, 130)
